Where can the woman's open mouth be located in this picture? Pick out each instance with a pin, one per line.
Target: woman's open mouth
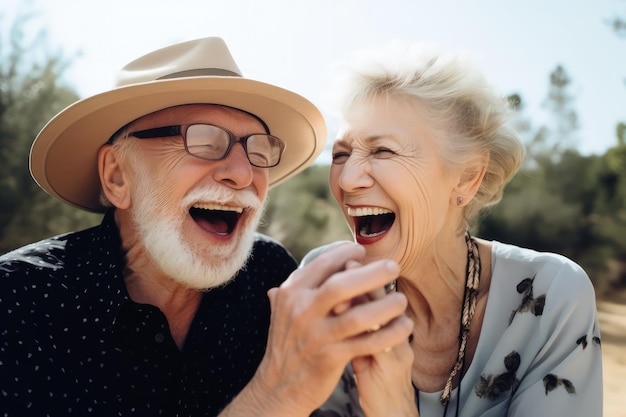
(371, 223)
(215, 218)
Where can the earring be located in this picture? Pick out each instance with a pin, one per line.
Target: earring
(459, 201)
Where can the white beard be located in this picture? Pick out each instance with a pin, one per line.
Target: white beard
(199, 265)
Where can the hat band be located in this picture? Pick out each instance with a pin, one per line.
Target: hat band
(201, 72)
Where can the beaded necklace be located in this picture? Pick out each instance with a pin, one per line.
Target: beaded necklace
(470, 296)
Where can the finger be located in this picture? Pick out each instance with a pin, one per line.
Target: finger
(373, 295)
(377, 294)
(393, 336)
(355, 282)
(271, 294)
(370, 316)
(351, 264)
(401, 352)
(343, 306)
(319, 269)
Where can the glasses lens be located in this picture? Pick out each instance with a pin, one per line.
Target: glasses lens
(212, 142)
(207, 142)
(264, 150)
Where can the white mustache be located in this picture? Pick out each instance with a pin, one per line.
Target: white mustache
(222, 195)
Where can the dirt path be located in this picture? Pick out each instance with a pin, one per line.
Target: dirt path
(613, 331)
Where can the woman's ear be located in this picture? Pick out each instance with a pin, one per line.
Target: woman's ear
(113, 178)
(470, 179)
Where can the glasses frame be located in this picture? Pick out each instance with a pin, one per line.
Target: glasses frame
(181, 130)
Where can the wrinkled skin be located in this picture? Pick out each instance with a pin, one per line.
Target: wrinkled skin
(387, 161)
(310, 344)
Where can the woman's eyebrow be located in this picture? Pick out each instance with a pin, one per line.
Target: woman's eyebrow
(367, 139)
(374, 138)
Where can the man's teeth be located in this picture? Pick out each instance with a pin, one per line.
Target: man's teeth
(211, 206)
(367, 211)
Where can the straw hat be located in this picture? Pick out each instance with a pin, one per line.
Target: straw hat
(63, 157)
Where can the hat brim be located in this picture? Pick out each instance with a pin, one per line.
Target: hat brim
(63, 157)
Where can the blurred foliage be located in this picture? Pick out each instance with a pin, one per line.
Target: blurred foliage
(29, 96)
(302, 213)
(560, 201)
(618, 24)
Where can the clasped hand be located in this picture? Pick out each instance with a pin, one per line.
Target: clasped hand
(323, 316)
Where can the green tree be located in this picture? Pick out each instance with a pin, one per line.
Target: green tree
(609, 210)
(30, 94)
(302, 214)
(546, 144)
(549, 205)
(618, 24)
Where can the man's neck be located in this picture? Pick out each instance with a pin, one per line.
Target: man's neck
(178, 303)
(147, 284)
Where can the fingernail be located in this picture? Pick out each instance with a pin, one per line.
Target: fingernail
(374, 328)
(392, 266)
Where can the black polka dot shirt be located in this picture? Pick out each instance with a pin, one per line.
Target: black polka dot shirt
(73, 343)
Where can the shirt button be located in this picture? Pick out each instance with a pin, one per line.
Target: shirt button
(159, 338)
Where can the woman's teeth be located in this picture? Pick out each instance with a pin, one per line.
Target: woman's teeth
(366, 211)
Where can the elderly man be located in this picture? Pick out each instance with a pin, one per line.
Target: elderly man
(163, 308)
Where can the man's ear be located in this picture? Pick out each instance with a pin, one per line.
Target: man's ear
(113, 178)
(470, 180)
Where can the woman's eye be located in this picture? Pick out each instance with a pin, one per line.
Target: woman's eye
(383, 153)
(340, 157)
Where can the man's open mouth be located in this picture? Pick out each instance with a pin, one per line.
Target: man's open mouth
(370, 222)
(215, 218)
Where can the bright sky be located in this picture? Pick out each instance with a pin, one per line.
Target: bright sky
(293, 43)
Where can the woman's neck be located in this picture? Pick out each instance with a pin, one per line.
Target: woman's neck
(435, 297)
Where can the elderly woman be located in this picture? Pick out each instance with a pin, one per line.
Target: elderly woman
(499, 330)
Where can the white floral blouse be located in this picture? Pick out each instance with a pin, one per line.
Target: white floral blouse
(539, 350)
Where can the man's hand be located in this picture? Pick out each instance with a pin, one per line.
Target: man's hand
(317, 328)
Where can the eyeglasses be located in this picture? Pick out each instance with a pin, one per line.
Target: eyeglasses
(214, 143)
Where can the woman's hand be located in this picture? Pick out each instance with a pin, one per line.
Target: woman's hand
(384, 379)
(384, 382)
(311, 340)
